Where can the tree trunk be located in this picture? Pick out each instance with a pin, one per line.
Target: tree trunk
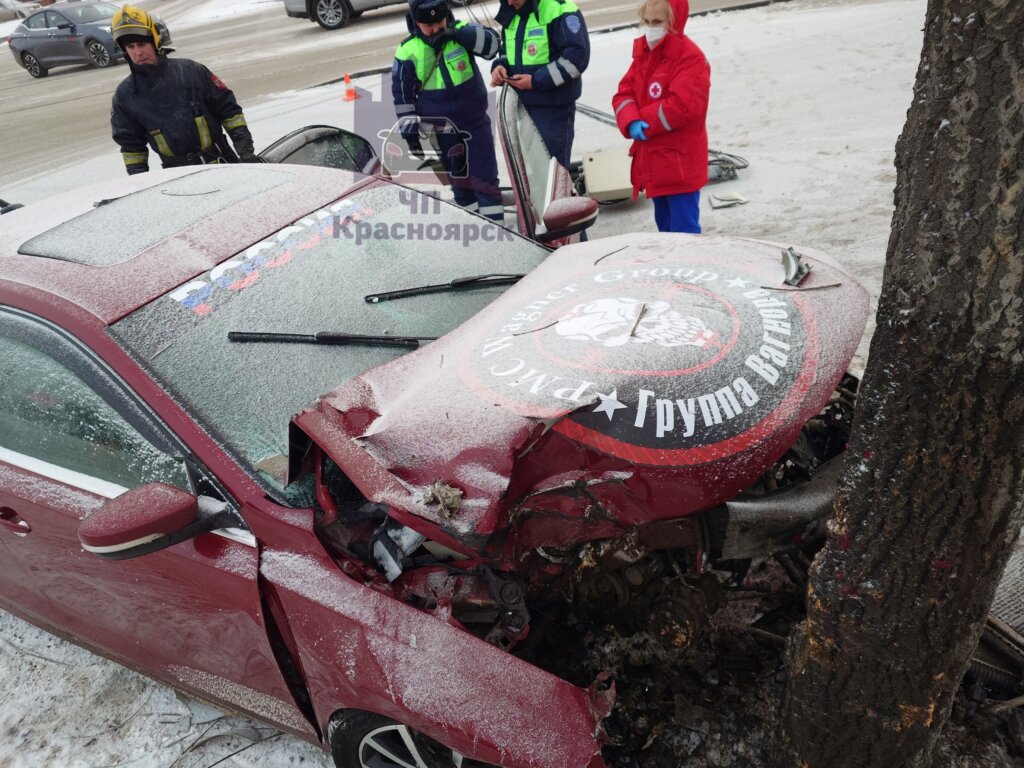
(933, 494)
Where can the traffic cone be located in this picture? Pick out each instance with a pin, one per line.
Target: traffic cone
(350, 90)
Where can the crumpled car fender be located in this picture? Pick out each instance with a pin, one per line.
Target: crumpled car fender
(359, 648)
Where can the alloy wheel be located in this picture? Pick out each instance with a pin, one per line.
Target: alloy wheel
(397, 746)
(98, 54)
(33, 66)
(331, 14)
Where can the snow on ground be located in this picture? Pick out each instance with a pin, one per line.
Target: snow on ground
(200, 12)
(812, 92)
(210, 10)
(6, 27)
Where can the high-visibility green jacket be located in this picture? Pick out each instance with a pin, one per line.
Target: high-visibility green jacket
(439, 78)
(546, 39)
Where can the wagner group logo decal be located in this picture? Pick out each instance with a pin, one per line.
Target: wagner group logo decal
(657, 364)
(614, 322)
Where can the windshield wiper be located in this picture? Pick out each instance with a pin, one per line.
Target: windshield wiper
(459, 283)
(330, 337)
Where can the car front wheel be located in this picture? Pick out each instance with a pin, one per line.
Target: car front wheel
(31, 63)
(332, 14)
(367, 740)
(98, 54)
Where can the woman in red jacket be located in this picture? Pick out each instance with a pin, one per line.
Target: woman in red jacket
(662, 104)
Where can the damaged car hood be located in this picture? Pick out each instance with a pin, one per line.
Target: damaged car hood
(659, 354)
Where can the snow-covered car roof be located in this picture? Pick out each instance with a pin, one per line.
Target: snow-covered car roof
(112, 248)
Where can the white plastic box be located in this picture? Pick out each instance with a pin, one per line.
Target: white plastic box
(606, 175)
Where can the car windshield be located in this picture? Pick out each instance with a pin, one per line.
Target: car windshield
(311, 277)
(84, 14)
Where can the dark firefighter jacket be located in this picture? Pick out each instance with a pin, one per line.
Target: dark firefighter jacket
(180, 109)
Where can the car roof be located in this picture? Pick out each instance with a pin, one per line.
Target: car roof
(112, 248)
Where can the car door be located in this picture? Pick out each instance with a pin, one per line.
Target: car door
(61, 39)
(36, 36)
(537, 179)
(72, 436)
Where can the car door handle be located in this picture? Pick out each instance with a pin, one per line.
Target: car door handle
(10, 519)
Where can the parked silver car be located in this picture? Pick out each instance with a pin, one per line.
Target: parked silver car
(65, 33)
(16, 9)
(335, 14)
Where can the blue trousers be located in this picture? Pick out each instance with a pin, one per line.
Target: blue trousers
(678, 213)
(556, 124)
(471, 163)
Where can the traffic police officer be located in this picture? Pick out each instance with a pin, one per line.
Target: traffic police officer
(544, 50)
(176, 106)
(435, 78)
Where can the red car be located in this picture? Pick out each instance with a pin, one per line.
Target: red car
(302, 442)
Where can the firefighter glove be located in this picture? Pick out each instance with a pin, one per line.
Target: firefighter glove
(246, 151)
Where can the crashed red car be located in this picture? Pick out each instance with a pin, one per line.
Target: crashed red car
(302, 443)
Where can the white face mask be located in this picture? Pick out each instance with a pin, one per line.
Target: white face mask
(654, 35)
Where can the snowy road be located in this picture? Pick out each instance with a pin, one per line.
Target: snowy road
(812, 93)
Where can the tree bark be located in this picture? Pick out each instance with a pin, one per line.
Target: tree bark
(933, 494)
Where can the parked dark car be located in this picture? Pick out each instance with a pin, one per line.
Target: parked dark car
(65, 33)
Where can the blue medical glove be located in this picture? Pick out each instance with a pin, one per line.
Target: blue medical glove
(636, 130)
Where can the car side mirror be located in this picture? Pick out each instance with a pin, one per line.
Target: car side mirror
(147, 519)
(65, 25)
(566, 216)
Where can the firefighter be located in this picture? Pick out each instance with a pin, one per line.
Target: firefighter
(544, 50)
(176, 106)
(435, 78)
